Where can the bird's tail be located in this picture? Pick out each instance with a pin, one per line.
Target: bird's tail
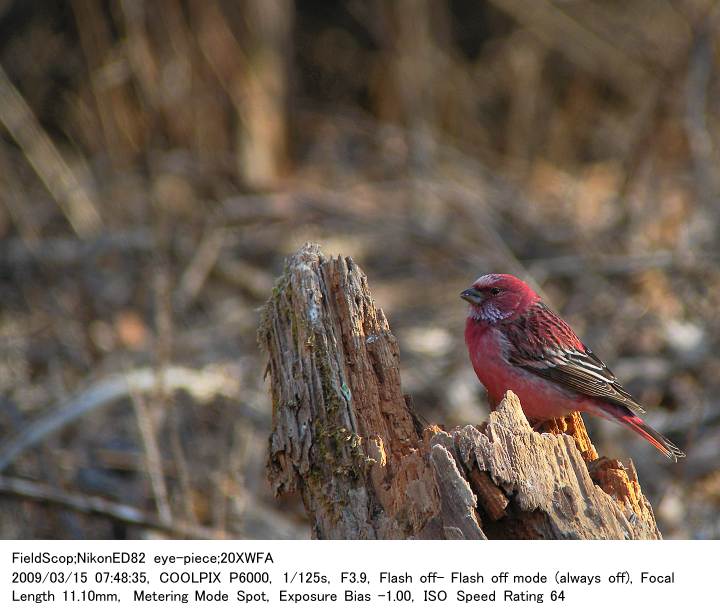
(635, 423)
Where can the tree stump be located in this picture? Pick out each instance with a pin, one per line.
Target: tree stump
(344, 436)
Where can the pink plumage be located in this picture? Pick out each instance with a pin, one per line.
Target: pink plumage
(517, 343)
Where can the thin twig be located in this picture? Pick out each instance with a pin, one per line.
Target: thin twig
(581, 45)
(203, 385)
(696, 112)
(153, 459)
(63, 251)
(165, 327)
(101, 506)
(568, 265)
(69, 192)
(203, 262)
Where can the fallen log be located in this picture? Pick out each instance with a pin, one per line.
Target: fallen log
(345, 436)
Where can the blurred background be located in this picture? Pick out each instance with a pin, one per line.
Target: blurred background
(159, 160)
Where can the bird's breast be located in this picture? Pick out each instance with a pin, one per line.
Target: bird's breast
(488, 348)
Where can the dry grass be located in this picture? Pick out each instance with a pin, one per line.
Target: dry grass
(159, 160)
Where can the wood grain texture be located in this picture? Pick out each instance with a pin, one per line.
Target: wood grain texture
(344, 436)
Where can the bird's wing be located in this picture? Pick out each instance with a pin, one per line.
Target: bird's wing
(542, 343)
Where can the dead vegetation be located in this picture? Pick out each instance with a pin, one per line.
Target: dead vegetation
(159, 160)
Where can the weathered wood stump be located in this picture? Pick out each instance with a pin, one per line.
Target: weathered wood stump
(344, 435)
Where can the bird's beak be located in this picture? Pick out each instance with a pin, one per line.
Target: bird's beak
(471, 295)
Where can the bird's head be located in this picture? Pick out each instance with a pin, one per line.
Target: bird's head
(498, 297)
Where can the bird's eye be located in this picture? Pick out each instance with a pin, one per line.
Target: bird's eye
(494, 291)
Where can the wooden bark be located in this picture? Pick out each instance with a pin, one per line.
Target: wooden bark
(345, 437)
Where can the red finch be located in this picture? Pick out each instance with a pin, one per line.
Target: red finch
(516, 342)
